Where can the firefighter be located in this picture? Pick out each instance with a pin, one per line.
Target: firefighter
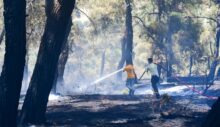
(130, 78)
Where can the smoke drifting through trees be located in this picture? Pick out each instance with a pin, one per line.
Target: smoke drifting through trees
(87, 46)
(175, 33)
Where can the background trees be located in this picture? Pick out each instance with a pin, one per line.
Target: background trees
(179, 34)
(100, 27)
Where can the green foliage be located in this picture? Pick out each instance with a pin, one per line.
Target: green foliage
(158, 28)
(189, 35)
(100, 27)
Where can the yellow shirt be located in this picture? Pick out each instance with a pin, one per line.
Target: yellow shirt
(130, 71)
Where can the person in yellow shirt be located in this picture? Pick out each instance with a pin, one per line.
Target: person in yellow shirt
(130, 78)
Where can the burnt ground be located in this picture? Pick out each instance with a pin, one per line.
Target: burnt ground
(124, 111)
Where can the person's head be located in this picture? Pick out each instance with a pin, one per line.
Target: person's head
(150, 60)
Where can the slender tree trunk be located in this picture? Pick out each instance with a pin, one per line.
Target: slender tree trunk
(2, 35)
(170, 53)
(59, 79)
(217, 36)
(25, 79)
(122, 61)
(129, 36)
(62, 61)
(102, 63)
(167, 67)
(161, 7)
(209, 63)
(129, 33)
(58, 16)
(127, 43)
(214, 64)
(14, 61)
(190, 65)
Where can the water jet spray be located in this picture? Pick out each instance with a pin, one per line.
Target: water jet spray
(107, 76)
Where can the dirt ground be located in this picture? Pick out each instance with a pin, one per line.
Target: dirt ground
(124, 111)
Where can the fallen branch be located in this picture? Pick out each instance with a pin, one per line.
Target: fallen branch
(202, 17)
(90, 19)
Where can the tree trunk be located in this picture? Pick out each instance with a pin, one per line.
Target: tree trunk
(169, 54)
(190, 65)
(122, 61)
(127, 43)
(213, 118)
(102, 64)
(59, 79)
(209, 63)
(129, 33)
(211, 75)
(214, 65)
(161, 8)
(62, 61)
(217, 36)
(58, 14)
(14, 61)
(2, 35)
(129, 36)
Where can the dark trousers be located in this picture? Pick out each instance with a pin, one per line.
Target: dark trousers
(154, 81)
(130, 83)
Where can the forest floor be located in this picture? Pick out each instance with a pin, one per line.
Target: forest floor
(123, 111)
(172, 110)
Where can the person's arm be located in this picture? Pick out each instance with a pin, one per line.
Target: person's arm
(125, 69)
(147, 67)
